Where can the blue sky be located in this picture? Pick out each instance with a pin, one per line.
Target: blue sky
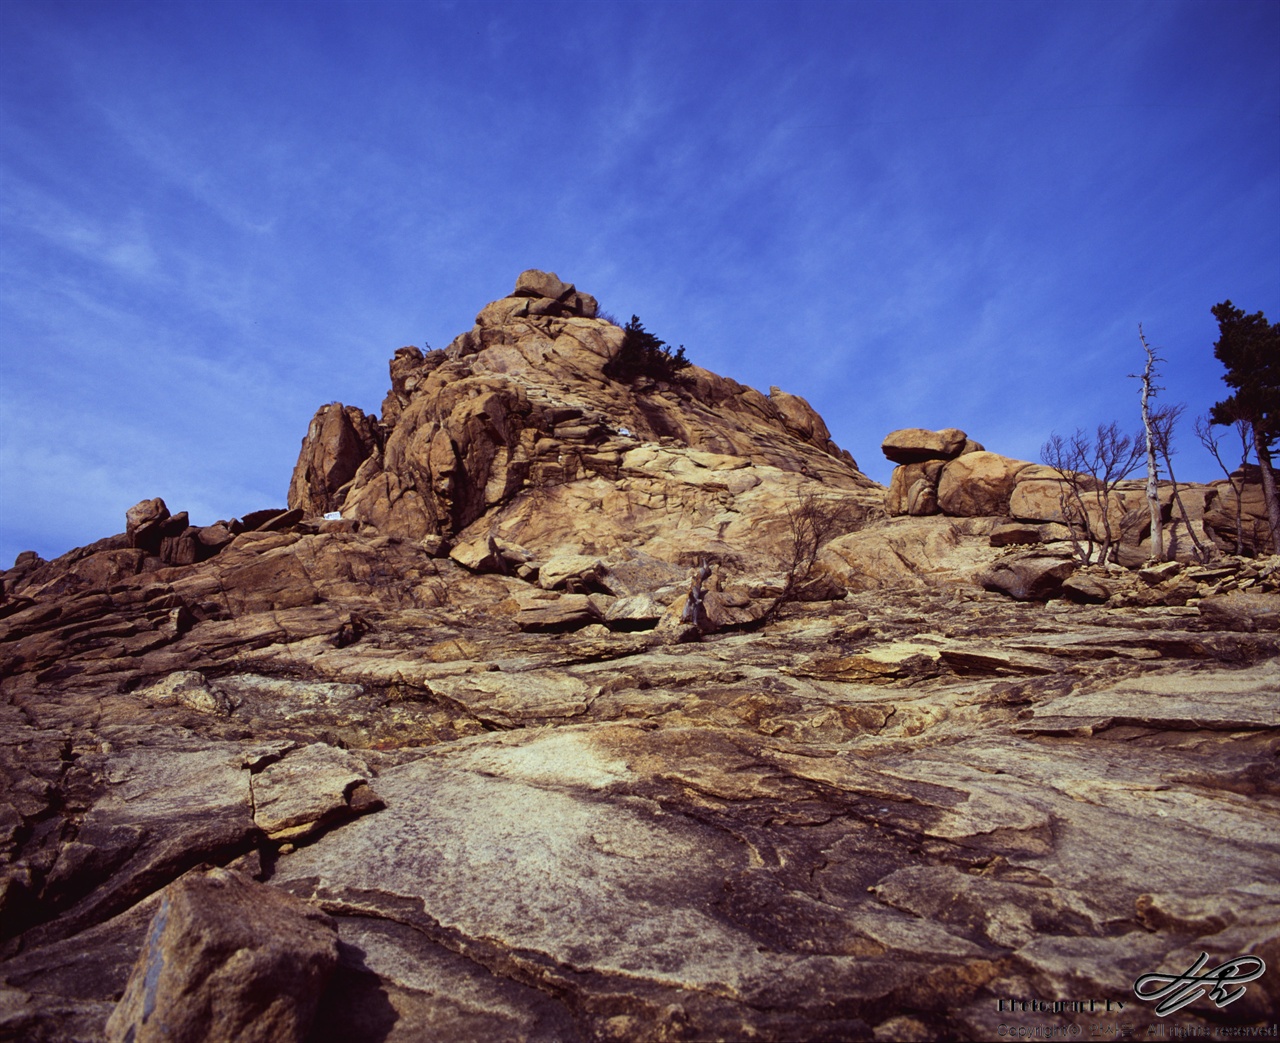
(216, 217)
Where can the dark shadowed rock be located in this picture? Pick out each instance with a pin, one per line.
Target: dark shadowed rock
(1088, 589)
(254, 520)
(1008, 534)
(227, 959)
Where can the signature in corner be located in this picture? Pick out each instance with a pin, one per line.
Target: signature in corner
(1175, 991)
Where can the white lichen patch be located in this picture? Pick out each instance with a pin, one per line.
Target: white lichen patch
(555, 757)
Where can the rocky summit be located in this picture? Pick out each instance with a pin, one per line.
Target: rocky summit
(558, 706)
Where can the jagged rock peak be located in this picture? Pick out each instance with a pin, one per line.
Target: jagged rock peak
(538, 293)
(523, 407)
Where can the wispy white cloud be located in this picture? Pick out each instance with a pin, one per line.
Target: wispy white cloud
(910, 214)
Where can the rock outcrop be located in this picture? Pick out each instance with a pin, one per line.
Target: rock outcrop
(339, 440)
(467, 771)
(515, 433)
(946, 473)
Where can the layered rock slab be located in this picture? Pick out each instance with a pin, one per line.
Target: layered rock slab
(717, 813)
(594, 888)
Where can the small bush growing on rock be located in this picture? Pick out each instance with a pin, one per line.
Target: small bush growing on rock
(644, 355)
(812, 523)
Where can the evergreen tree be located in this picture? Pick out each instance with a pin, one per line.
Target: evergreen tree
(1249, 347)
(644, 355)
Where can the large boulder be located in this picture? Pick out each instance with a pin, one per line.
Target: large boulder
(1238, 508)
(227, 960)
(1029, 578)
(1037, 499)
(913, 488)
(534, 283)
(143, 523)
(339, 439)
(913, 444)
(799, 417)
(977, 484)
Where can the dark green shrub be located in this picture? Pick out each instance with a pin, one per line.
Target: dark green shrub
(644, 355)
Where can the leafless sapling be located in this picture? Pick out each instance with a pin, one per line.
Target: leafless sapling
(1209, 439)
(1088, 470)
(812, 522)
(1163, 421)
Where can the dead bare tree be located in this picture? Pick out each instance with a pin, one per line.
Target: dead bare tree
(1163, 421)
(1149, 389)
(812, 522)
(1088, 470)
(1059, 454)
(1208, 439)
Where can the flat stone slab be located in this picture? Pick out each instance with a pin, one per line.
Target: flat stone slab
(589, 883)
(495, 697)
(307, 789)
(1237, 700)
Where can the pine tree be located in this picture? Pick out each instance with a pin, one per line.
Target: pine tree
(644, 355)
(1249, 347)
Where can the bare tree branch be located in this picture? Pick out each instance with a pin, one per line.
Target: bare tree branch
(812, 522)
(1089, 469)
(1149, 389)
(1209, 439)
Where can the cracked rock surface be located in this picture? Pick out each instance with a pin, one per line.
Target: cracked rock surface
(882, 808)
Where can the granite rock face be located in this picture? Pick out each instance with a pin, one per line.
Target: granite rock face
(515, 432)
(487, 782)
(338, 441)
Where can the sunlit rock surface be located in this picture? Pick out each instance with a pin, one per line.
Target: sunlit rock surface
(472, 731)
